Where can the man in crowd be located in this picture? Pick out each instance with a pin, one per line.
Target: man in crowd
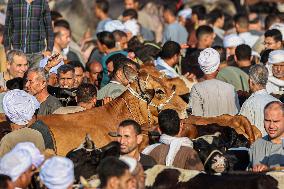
(169, 57)
(212, 97)
(28, 28)
(86, 96)
(17, 164)
(36, 85)
(19, 108)
(231, 74)
(173, 31)
(130, 137)
(66, 76)
(119, 80)
(243, 57)
(16, 67)
(62, 37)
(101, 12)
(275, 82)
(242, 28)
(268, 151)
(114, 173)
(216, 18)
(253, 107)
(173, 150)
(57, 172)
(94, 71)
(273, 39)
(79, 73)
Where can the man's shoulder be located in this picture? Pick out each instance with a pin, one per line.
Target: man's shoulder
(22, 133)
(147, 161)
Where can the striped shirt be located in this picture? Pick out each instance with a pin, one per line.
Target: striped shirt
(27, 26)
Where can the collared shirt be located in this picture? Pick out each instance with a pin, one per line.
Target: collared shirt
(27, 26)
(162, 66)
(253, 108)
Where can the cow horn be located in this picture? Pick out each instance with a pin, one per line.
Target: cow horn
(130, 73)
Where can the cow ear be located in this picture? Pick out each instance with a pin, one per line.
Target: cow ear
(130, 73)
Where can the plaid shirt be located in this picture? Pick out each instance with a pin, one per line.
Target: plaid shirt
(28, 26)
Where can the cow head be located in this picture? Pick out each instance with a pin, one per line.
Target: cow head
(86, 157)
(158, 96)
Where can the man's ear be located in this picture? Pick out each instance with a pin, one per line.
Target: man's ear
(87, 74)
(181, 128)
(251, 57)
(139, 139)
(235, 58)
(113, 182)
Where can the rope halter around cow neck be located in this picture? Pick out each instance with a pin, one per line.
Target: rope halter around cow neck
(159, 107)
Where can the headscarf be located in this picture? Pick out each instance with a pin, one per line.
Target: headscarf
(37, 157)
(185, 13)
(232, 40)
(132, 26)
(276, 56)
(57, 173)
(209, 60)
(113, 25)
(15, 163)
(19, 106)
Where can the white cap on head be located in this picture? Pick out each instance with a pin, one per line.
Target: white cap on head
(113, 25)
(232, 40)
(131, 162)
(132, 26)
(15, 163)
(37, 157)
(19, 106)
(209, 60)
(280, 27)
(57, 173)
(276, 57)
(185, 13)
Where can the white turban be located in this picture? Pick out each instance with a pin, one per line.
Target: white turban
(209, 60)
(185, 13)
(232, 40)
(280, 27)
(57, 173)
(131, 162)
(37, 157)
(43, 63)
(113, 25)
(276, 56)
(19, 106)
(132, 26)
(15, 163)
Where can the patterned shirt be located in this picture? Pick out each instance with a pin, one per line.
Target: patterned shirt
(27, 26)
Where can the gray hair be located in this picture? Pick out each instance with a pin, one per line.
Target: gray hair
(12, 53)
(258, 74)
(40, 72)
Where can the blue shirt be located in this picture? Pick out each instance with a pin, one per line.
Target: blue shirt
(175, 32)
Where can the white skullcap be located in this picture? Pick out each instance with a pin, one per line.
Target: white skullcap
(43, 63)
(15, 163)
(131, 162)
(57, 173)
(232, 40)
(37, 157)
(209, 60)
(113, 25)
(132, 26)
(19, 106)
(185, 13)
(276, 56)
(280, 27)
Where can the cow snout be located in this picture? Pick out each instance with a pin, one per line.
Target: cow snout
(218, 164)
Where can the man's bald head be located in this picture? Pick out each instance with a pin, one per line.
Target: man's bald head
(94, 69)
(275, 105)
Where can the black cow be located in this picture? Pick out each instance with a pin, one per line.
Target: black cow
(212, 146)
(86, 158)
(171, 178)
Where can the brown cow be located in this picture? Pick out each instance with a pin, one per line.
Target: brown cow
(141, 102)
(183, 86)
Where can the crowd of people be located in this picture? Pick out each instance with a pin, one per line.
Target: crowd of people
(233, 63)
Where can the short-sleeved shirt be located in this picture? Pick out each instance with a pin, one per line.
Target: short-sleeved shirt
(175, 32)
(49, 105)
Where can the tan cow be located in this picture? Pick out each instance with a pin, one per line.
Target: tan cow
(141, 102)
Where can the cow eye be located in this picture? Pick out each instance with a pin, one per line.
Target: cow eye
(159, 91)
